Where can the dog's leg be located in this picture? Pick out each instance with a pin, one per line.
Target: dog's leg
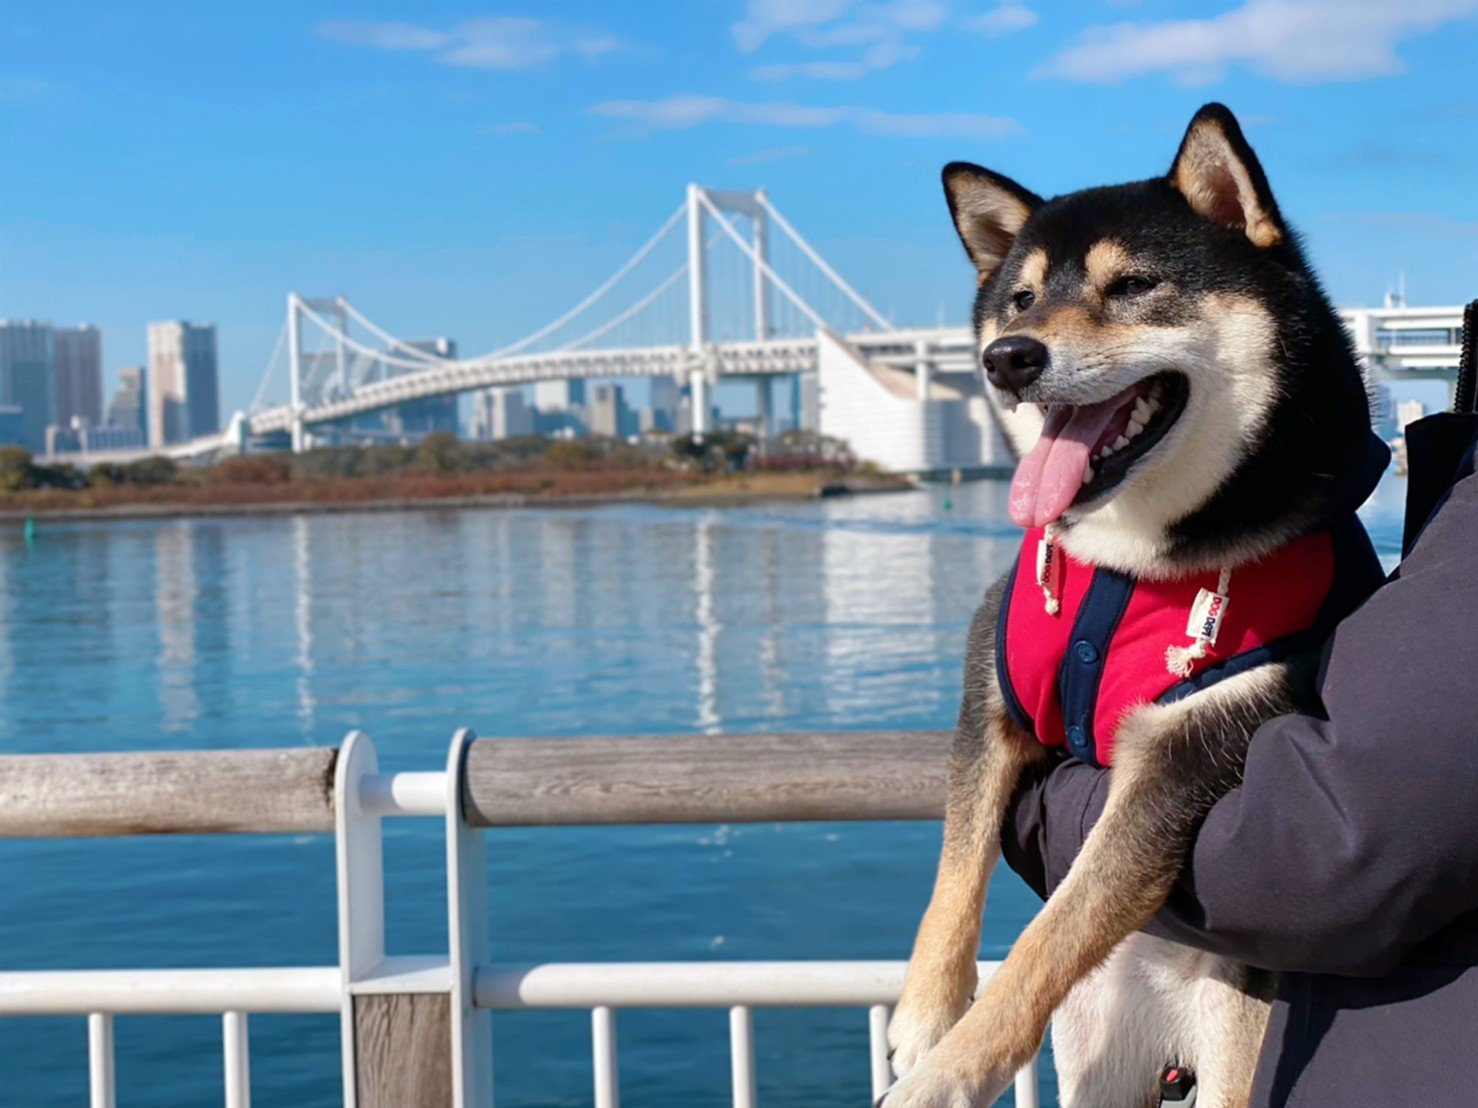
(985, 764)
(941, 977)
(1171, 762)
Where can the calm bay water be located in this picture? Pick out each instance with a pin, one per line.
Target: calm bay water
(291, 631)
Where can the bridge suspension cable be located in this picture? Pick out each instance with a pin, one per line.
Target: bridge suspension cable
(261, 393)
(762, 265)
(610, 325)
(820, 263)
(610, 283)
(386, 337)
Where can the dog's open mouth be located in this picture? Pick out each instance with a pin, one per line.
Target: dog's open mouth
(1087, 449)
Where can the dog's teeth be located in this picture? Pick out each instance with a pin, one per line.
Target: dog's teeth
(1120, 443)
(1087, 473)
(1153, 406)
(1134, 430)
(1105, 452)
(1141, 413)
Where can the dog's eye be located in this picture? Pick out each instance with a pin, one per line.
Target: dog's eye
(1023, 299)
(1132, 285)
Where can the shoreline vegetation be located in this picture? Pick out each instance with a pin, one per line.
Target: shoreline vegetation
(444, 472)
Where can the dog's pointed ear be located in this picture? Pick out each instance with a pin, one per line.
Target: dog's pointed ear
(1220, 177)
(989, 211)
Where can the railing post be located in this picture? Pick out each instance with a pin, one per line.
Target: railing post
(467, 919)
(236, 1059)
(603, 1055)
(741, 1056)
(101, 1090)
(877, 1049)
(361, 885)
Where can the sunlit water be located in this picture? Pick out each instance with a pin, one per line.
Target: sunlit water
(291, 631)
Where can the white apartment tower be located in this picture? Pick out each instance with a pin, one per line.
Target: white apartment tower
(184, 382)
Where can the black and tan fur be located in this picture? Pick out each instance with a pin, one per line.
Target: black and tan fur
(1194, 274)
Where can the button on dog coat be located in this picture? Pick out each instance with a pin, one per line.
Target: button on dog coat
(1070, 678)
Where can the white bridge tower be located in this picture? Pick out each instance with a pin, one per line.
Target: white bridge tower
(754, 206)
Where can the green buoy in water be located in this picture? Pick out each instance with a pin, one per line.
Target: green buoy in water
(29, 530)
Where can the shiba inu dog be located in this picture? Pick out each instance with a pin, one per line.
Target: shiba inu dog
(1194, 432)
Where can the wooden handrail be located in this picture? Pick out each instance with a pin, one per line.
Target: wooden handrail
(190, 792)
(846, 775)
(654, 779)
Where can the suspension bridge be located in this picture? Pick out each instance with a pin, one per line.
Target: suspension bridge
(726, 289)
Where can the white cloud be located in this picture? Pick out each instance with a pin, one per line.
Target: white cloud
(1006, 18)
(493, 42)
(387, 36)
(881, 56)
(773, 154)
(883, 28)
(764, 18)
(684, 111)
(1295, 41)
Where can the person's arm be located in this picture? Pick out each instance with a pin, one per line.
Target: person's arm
(1350, 840)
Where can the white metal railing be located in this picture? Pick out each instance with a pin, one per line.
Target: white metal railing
(476, 986)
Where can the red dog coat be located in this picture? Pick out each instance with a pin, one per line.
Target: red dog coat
(1069, 678)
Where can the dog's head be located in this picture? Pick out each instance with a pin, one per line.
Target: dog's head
(1179, 387)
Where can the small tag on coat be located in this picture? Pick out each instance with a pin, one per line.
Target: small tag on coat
(1049, 567)
(1206, 616)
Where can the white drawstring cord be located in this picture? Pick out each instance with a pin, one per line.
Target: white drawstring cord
(1204, 625)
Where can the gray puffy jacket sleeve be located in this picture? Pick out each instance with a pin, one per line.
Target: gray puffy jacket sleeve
(1351, 839)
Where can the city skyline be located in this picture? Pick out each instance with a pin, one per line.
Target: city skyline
(1359, 139)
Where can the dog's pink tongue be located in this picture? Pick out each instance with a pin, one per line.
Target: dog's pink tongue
(1050, 476)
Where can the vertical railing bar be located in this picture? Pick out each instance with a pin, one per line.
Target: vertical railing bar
(603, 1049)
(101, 1085)
(877, 1048)
(467, 941)
(1028, 1088)
(236, 1054)
(741, 1055)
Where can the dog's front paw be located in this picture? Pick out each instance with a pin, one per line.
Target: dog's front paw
(939, 1083)
(931, 1004)
(913, 1031)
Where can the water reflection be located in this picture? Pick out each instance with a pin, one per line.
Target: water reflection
(302, 527)
(175, 592)
(705, 577)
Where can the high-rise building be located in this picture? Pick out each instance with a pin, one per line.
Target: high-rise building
(508, 415)
(559, 395)
(667, 403)
(560, 408)
(608, 413)
(79, 374)
(184, 382)
(128, 410)
(28, 379)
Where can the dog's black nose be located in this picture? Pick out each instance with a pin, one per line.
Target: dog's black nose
(1014, 361)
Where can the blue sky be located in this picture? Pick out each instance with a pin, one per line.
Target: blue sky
(471, 169)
